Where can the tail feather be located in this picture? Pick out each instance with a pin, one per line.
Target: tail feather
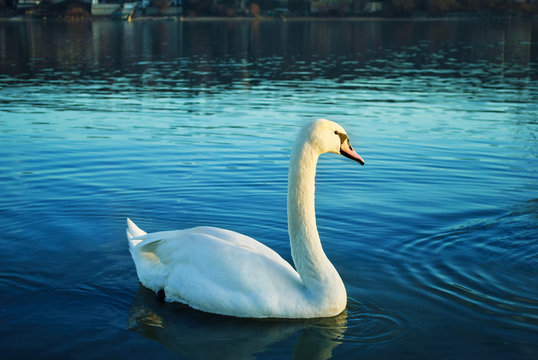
(133, 230)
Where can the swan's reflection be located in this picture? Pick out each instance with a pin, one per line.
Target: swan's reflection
(197, 335)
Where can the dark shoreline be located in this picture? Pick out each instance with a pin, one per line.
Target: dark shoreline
(81, 10)
(195, 10)
(453, 17)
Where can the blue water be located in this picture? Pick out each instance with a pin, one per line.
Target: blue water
(179, 124)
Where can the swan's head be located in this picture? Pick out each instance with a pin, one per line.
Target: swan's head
(327, 136)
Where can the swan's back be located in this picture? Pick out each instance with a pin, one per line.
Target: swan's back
(217, 270)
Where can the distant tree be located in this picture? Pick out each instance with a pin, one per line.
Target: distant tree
(472, 5)
(299, 7)
(255, 9)
(402, 7)
(440, 7)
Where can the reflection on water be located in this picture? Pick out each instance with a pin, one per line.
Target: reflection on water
(197, 335)
(244, 53)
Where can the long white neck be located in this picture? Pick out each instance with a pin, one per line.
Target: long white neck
(310, 261)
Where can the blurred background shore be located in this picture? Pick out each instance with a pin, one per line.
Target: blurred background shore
(263, 9)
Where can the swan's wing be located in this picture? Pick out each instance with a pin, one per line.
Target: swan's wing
(216, 270)
(155, 242)
(238, 239)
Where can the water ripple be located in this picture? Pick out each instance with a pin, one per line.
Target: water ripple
(472, 267)
(369, 324)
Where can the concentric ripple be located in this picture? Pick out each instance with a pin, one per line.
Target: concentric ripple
(363, 324)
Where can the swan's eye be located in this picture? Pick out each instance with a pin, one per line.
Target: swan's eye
(343, 137)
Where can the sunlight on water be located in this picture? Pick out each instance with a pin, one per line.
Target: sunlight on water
(180, 124)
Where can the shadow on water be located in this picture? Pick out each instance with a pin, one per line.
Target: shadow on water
(198, 335)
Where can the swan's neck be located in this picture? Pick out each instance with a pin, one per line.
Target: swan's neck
(310, 261)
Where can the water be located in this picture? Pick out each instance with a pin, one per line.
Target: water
(178, 124)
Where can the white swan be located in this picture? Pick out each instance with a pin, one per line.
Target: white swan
(224, 272)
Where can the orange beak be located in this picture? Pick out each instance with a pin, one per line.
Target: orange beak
(347, 150)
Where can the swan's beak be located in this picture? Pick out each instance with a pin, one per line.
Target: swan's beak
(347, 150)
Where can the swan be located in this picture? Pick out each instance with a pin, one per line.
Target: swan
(223, 272)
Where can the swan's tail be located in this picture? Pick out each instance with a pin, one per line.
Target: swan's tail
(133, 231)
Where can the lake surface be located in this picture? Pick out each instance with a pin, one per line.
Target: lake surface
(178, 124)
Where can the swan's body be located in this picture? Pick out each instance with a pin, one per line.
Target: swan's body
(224, 272)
